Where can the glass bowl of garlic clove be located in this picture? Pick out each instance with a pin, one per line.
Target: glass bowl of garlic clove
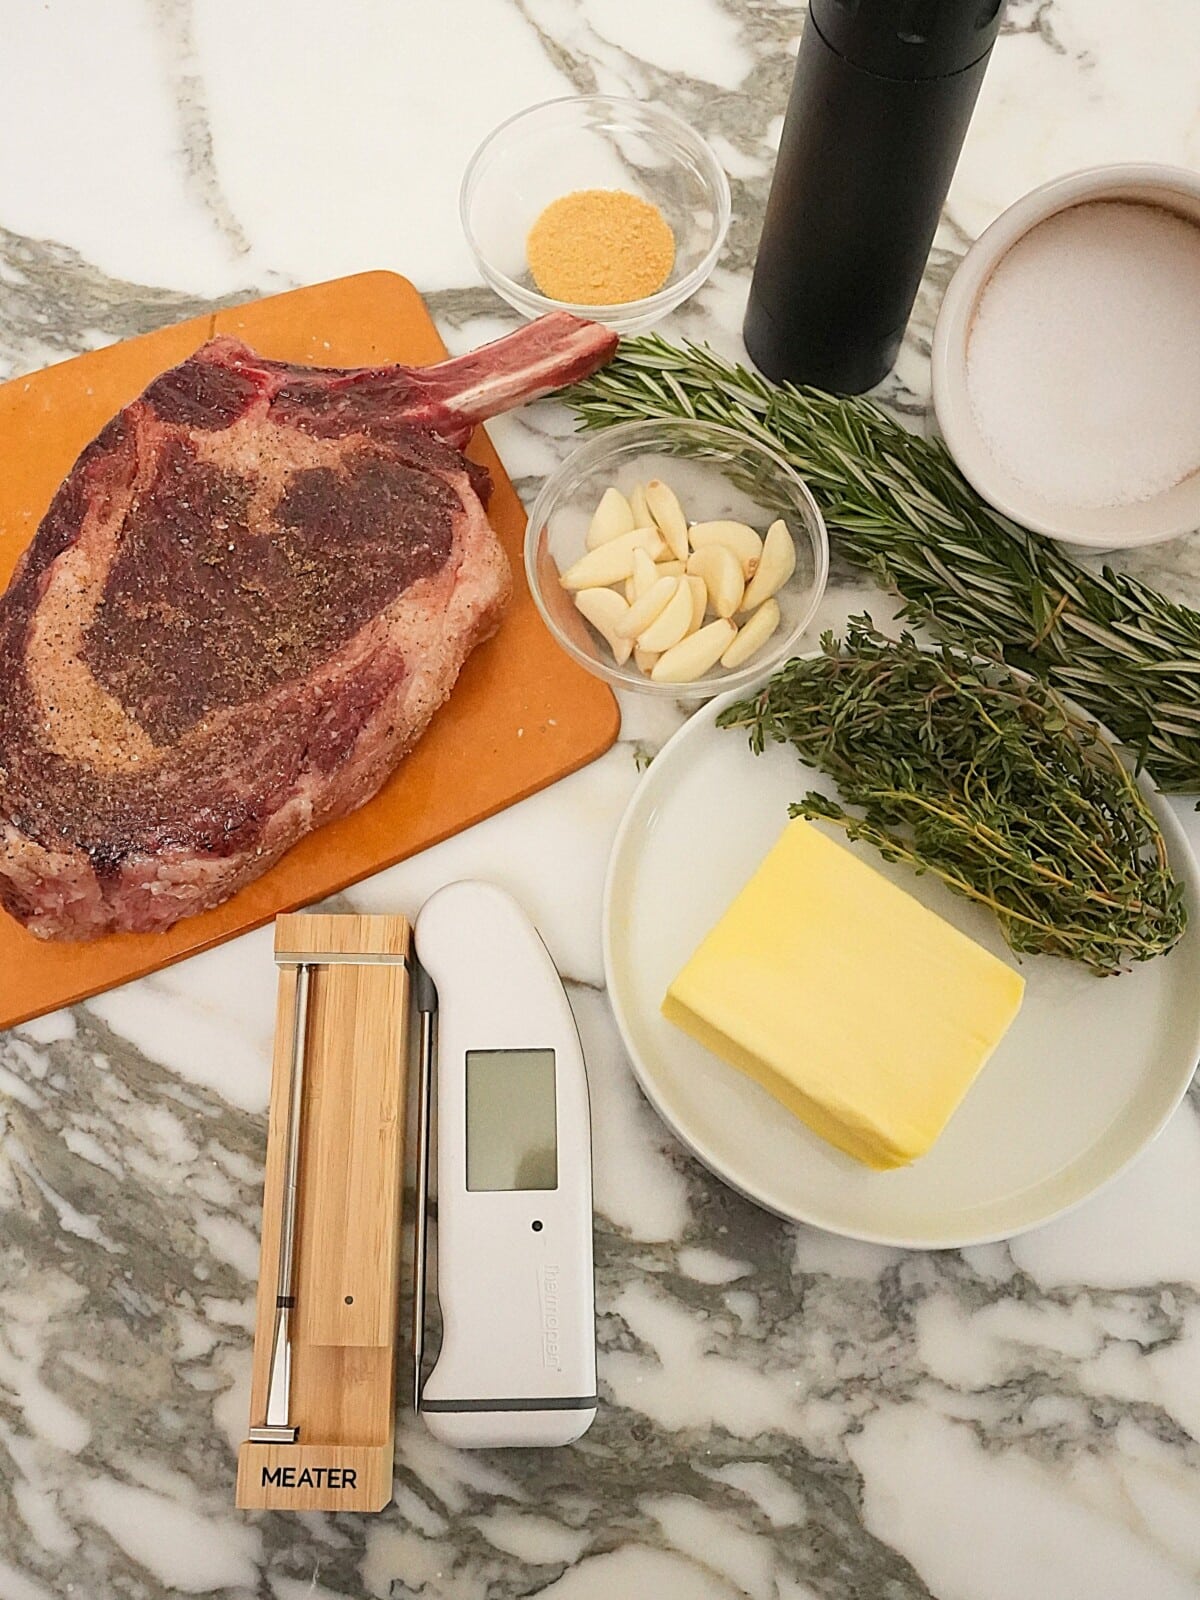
(676, 558)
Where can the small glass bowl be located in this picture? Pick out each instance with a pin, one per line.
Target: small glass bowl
(717, 473)
(593, 142)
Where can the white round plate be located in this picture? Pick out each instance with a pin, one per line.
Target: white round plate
(1085, 1078)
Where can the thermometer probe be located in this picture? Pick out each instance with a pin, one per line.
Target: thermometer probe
(517, 1364)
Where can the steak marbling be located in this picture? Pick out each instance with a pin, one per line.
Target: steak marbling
(242, 608)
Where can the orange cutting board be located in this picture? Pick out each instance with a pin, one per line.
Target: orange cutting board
(520, 716)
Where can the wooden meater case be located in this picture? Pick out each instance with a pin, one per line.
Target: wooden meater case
(346, 1256)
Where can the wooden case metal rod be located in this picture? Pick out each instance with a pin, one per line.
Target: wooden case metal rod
(323, 1386)
(278, 1427)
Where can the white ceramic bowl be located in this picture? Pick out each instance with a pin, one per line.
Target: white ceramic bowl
(716, 473)
(1164, 516)
(593, 142)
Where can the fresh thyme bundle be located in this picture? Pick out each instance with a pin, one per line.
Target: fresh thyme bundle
(986, 778)
(897, 506)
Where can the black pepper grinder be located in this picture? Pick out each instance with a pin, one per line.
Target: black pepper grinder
(880, 103)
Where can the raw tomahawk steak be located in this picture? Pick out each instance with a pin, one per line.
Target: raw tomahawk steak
(242, 608)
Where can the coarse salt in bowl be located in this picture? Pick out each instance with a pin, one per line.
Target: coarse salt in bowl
(593, 142)
(1065, 358)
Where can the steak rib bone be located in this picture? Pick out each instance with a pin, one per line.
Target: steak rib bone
(447, 399)
(545, 355)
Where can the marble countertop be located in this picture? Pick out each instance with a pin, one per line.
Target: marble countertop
(786, 1415)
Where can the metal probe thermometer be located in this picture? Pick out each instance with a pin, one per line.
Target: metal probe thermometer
(517, 1364)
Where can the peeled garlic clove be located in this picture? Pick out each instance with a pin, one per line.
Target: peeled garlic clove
(672, 622)
(669, 569)
(752, 635)
(642, 517)
(644, 660)
(645, 573)
(699, 600)
(693, 656)
(643, 612)
(668, 516)
(736, 536)
(610, 562)
(721, 572)
(657, 549)
(611, 518)
(776, 566)
(604, 609)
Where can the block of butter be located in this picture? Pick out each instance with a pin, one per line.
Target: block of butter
(864, 1013)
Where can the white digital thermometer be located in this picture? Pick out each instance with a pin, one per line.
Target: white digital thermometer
(517, 1364)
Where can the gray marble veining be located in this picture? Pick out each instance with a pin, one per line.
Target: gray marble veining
(786, 1416)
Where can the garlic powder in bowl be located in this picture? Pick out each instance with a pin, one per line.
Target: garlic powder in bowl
(582, 160)
(600, 247)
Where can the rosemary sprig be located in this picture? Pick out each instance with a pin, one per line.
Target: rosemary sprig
(897, 506)
(987, 779)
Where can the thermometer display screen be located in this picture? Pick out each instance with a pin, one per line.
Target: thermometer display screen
(512, 1141)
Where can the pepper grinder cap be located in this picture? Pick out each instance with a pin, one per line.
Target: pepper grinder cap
(908, 39)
